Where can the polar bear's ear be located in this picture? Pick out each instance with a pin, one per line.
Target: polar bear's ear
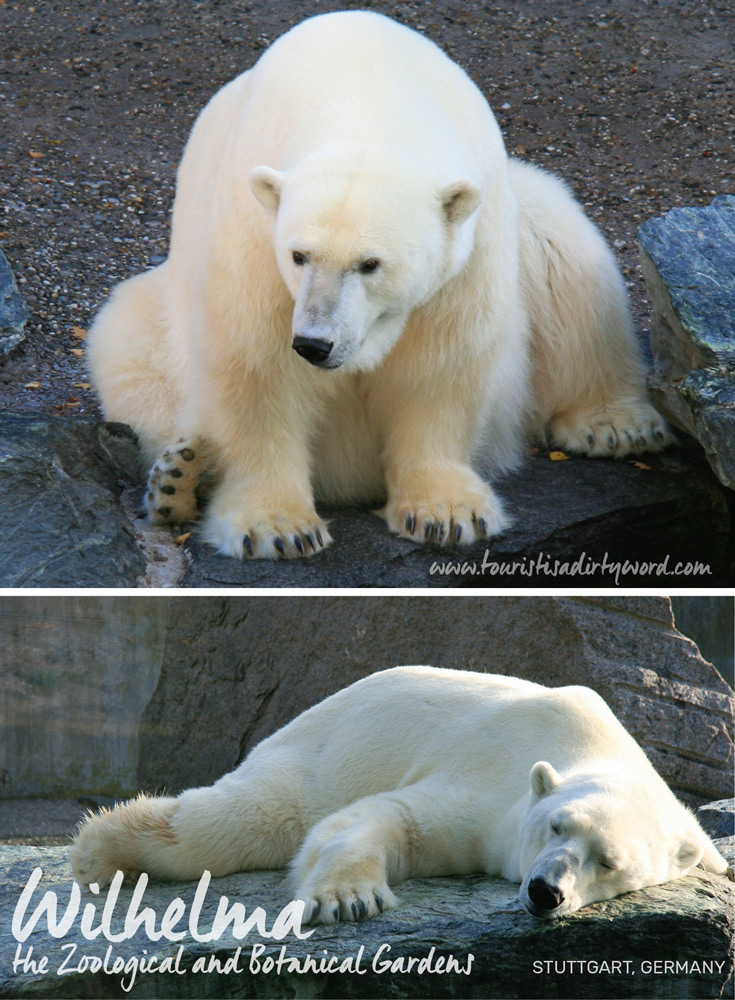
(689, 853)
(544, 778)
(459, 200)
(266, 184)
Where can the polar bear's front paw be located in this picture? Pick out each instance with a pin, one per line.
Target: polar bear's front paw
(611, 431)
(460, 513)
(329, 905)
(259, 535)
(171, 494)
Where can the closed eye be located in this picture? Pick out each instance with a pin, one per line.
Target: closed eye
(606, 863)
(555, 828)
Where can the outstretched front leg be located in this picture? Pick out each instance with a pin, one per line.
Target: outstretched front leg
(350, 859)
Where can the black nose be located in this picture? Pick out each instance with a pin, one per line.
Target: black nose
(548, 897)
(312, 349)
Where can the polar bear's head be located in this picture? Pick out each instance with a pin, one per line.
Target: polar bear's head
(361, 241)
(601, 832)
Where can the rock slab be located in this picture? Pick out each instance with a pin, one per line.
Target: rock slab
(69, 489)
(651, 943)
(688, 259)
(13, 312)
(60, 484)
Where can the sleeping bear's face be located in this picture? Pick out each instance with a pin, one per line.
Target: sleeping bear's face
(359, 248)
(594, 835)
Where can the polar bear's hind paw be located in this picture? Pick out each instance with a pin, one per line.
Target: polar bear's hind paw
(171, 494)
(611, 432)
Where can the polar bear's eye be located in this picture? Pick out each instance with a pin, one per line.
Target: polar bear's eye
(555, 828)
(369, 265)
(606, 863)
(298, 258)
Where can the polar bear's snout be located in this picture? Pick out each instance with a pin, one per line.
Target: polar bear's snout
(543, 895)
(312, 349)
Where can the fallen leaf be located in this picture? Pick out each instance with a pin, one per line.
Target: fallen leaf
(180, 539)
(79, 332)
(79, 351)
(81, 385)
(640, 465)
(34, 154)
(558, 456)
(32, 385)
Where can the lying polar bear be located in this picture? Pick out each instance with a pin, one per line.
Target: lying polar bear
(350, 197)
(418, 771)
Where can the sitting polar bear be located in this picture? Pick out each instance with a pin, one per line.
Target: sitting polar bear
(350, 198)
(419, 771)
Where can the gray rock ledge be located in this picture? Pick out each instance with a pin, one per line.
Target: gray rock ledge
(13, 312)
(69, 489)
(688, 259)
(687, 922)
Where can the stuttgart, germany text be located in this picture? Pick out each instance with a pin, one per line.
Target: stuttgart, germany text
(583, 565)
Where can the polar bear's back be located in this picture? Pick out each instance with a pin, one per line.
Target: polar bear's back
(351, 74)
(399, 726)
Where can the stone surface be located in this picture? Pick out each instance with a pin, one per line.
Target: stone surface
(718, 818)
(514, 955)
(236, 669)
(187, 687)
(69, 490)
(76, 675)
(710, 625)
(688, 259)
(13, 312)
(671, 511)
(62, 523)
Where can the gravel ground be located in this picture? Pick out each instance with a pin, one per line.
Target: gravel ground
(632, 102)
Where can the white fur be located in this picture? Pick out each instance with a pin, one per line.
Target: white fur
(496, 310)
(419, 771)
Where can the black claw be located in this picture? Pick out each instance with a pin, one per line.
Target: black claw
(591, 440)
(363, 907)
(379, 901)
(335, 912)
(428, 527)
(355, 912)
(187, 454)
(310, 539)
(168, 490)
(278, 542)
(298, 543)
(659, 436)
(319, 537)
(611, 442)
(314, 911)
(457, 533)
(247, 542)
(411, 523)
(482, 526)
(439, 531)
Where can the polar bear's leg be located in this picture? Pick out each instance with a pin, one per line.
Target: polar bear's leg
(589, 377)
(250, 819)
(136, 382)
(432, 427)
(349, 859)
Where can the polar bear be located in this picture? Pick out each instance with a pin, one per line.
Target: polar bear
(363, 296)
(418, 771)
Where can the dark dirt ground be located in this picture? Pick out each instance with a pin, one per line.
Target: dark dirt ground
(632, 102)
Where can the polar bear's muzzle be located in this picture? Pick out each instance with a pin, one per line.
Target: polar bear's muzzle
(543, 897)
(313, 349)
